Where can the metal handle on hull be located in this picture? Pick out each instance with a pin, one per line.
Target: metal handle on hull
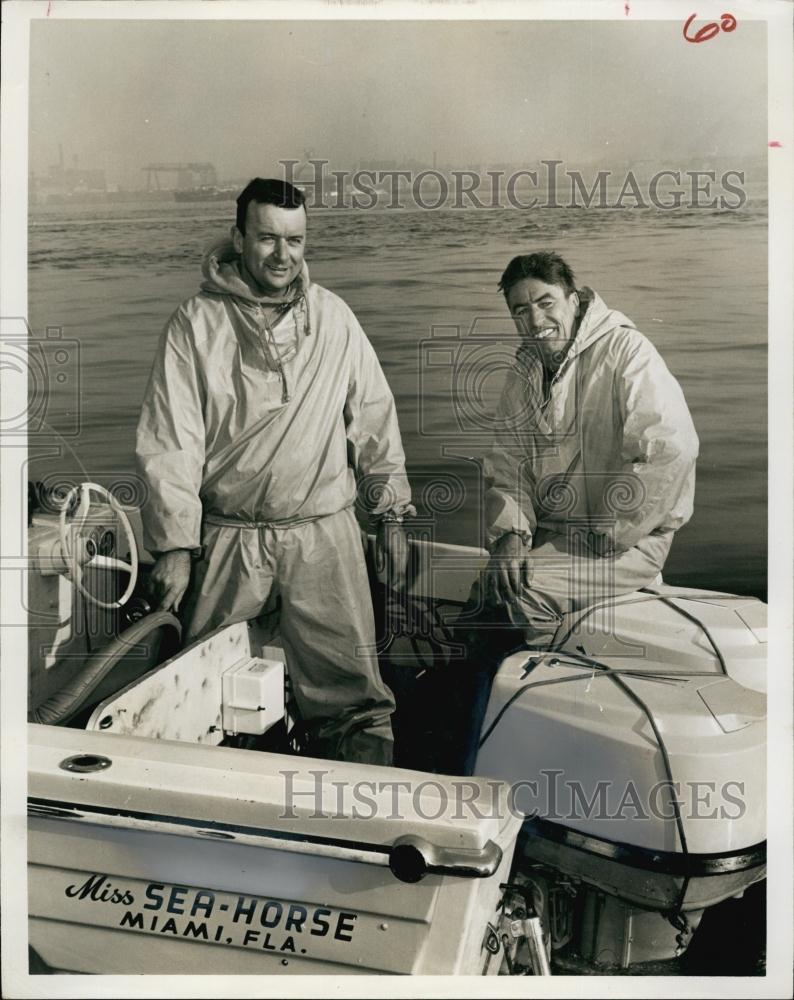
(411, 858)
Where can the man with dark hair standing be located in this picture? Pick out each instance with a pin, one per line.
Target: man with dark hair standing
(591, 472)
(265, 403)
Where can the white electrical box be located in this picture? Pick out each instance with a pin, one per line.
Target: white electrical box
(253, 695)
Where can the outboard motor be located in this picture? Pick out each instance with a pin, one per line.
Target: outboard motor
(636, 750)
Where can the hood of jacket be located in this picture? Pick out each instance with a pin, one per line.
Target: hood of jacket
(598, 319)
(220, 269)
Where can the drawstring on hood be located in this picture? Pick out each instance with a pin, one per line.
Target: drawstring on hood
(221, 270)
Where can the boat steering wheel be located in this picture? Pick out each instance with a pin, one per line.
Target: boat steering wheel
(70, 529)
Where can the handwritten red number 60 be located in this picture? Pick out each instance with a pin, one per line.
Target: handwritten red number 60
(708, 31)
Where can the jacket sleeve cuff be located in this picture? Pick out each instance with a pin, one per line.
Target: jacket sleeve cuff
(397, 514)
(504, 514)
(195, 553)
(164, 531)
(524, 534)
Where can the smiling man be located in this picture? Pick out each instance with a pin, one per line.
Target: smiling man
(592, 471)
(594, 456)
(265, 405)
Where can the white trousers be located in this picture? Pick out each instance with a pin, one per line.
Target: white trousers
(317, 572)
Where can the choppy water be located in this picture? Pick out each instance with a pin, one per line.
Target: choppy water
(693, 281)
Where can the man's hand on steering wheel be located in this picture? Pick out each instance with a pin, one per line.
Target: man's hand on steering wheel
(509, 569)
(169, 579)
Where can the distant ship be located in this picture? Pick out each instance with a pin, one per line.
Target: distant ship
(207, 192)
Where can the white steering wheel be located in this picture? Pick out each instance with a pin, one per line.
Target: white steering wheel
(71, 530)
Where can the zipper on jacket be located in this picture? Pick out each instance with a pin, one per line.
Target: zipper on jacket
(276, 353)
(547, 398)
(569, 357)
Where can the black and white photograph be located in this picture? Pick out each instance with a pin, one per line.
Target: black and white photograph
(396, 498)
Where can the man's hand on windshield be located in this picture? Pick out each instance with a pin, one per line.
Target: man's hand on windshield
(169, 579)
(392, 552)
(509, 569)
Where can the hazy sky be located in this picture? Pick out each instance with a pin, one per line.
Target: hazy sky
(246, 94)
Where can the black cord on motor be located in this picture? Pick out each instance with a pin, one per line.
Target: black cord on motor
(604, 671)
(668, 768)
(695, 620)
(522, 690)
(557, 643)
(614, 674)
(653, 595)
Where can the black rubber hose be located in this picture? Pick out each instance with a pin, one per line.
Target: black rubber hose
(62, 705)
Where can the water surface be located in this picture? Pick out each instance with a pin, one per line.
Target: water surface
(694, 281)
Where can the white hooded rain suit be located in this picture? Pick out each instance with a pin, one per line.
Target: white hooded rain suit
(248, 441)
(597, 475)
(601, 472)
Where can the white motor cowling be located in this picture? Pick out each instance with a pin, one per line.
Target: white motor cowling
(637, 751)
